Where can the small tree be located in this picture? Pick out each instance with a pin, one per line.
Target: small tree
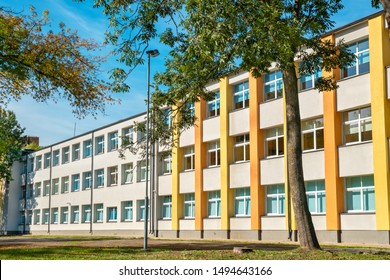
(11, 143)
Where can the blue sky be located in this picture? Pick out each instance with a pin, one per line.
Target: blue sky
(54, 122)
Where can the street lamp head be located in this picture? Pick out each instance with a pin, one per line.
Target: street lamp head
(153, 53)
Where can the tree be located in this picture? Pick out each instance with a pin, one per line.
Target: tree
(36, 61)
(386, 6)
(212, 39)
(11, 143)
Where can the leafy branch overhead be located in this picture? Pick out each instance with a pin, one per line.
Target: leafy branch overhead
(36, 61)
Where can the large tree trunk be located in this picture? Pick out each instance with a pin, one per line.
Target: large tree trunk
(306, 234)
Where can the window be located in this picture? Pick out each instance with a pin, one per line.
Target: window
(190, 109)
(112, 214)
(313, 134)
(241, 95)
(87, 180)
(76, 152)
(274, 142)
(56, 186)
(99, 175)
(65, 155)
(273, 85)
(213, 154)
(357, 126)
(54, 215)
(99, 213)
(75, 212)
(29, 217)
(360, 193)
(214, 204)
(46, 215)
(141, 171)
(56, 157)
(113, 141)
(99, 145)
(241, 148)
(113, 173)
(127, 211)
(189, 158)
(37, 189)
(275, 199)
(87, 148)
(189, 205)
(128, 135)
(167, 117)
(38, 163)
(213, 106)
(46, 188)
(141, 210)
(166, 164)
(127, 173)
(167, 207)
(361, 63)
(46, 160)
(75, 182)
(30, 166)
(86, 214)
(308, 81)
(315, 194)
(141, 132)
(242, 202)
(64, 215)
(65, 184)
(30, 191)
(37, 217)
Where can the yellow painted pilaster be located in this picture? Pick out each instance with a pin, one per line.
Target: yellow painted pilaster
(226, 152)
(256, 152)
(200, 163)
(177, 198)
(332, 140)
(380, 111)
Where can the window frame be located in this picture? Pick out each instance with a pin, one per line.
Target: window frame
(189, 154)
(244, 197)
(277, 138)
(76, 151)
(214, 199)
(361, 189)
(314, 131)
(113, 141)
(189, 203)
(213, 148)
(318, 192)
(360, 122)
(241, 96)
(166, 207)
(65, 155)
(356, 65)
(213, 106)
(244, 145)
(280, 197)
(275, 82)
(75, 183)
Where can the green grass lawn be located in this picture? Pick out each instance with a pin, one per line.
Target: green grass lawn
(87, 253)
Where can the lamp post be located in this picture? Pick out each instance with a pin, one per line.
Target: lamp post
(150, 53)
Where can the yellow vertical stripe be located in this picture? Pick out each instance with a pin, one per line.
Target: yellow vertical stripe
(380, 110)
(177, 203)
(226, 148)
(332, 139)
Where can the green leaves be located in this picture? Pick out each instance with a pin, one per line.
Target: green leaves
(49, 65)
(10, 143)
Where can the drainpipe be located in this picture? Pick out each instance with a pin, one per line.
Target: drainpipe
(92, 183)
(50, 188)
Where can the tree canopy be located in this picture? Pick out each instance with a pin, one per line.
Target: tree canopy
(36, 61)
(11, 142)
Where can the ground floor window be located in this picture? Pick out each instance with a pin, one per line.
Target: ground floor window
(360, 193)
(127, 211)
(315, 194)
(214, 204)
(167, 207)
(242, 202)
(275, 199)
(189, 205)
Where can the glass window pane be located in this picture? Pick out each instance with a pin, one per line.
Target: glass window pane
(321, 202)
(311, 202)
(368, 181)
(369, 199)
(353, 200)
(320, 139)
(308, 141)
